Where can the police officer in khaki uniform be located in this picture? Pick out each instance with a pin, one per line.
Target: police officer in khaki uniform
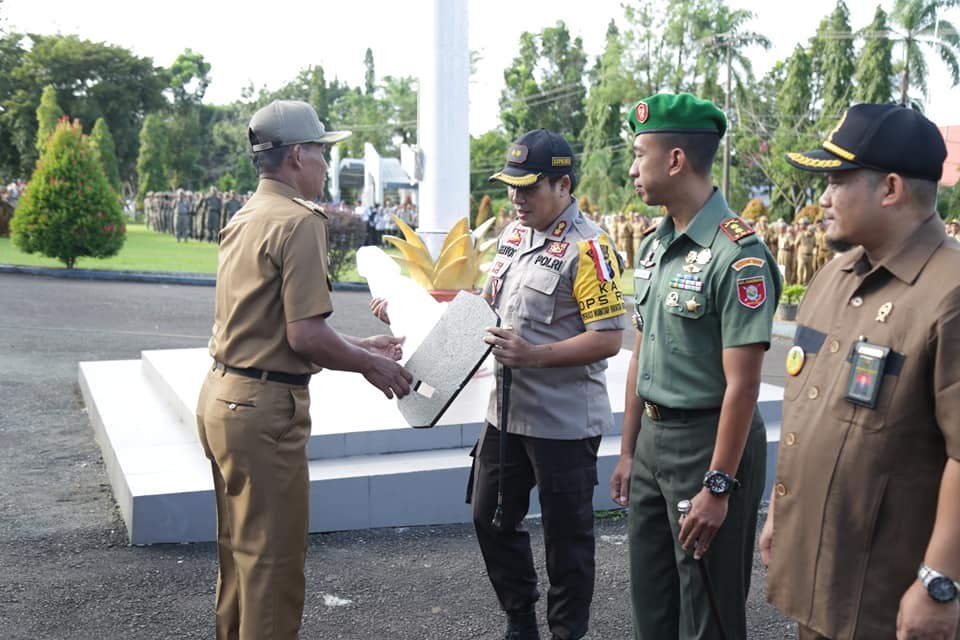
(270, 334)
(555, 282)
(786, 251)
(864, 523)
(706, 289)
(824, 251)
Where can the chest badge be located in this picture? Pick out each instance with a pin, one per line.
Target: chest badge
(795, 359)
(704, 256)
(691, 260)
(557, 249)
(884, 311)
(673, 300)
(692, 305)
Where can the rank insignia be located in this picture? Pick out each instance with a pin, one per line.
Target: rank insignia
(735, 228)
(743, 263)
(795, 359)
(673, 299)
(558, 230)
(557, 249)
(751, 292)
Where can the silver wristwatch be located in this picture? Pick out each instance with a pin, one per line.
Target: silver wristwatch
(939, 587)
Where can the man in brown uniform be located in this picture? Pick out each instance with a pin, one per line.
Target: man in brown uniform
(804, 248)
(862, 536)
(824, 251)
(269, 335)
(785, 255)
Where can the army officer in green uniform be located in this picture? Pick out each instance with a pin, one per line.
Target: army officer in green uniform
(706, 289)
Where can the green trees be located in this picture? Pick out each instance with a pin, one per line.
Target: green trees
(105, 152)
(543, 87)
(48, 114)
(152, 162)
(835, 63)
(873, 79)
(917, 24)
(68, 209)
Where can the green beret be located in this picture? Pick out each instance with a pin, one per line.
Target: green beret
(676, 113)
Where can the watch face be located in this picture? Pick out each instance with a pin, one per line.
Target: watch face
(717, 484)
(942, 589)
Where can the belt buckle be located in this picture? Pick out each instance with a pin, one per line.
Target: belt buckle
(652, 410)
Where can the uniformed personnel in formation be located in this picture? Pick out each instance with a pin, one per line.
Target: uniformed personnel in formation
(864, 521)
(555, 282)
(270, 335)
(706, 289)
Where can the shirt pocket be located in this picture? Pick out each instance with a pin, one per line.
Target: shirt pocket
(684, 326)
(537, 300)
(865, 418)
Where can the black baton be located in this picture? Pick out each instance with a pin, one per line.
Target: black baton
(683, 508)
(505, 382)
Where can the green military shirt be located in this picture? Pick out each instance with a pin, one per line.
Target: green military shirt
(712, 287)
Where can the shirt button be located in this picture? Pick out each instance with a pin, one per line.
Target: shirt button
(652, 337)
(791, 439)
(856, 301)
(781, 489)
(232, 406)
(834, 346)
(646, 376)
(813, 392)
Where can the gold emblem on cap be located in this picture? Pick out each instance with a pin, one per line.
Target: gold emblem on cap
(884, 311)
(795, 359)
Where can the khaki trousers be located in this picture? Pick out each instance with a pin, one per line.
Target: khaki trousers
(255, 434)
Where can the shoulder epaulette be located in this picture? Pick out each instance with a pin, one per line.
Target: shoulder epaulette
(736, 228)
(313, 206)
(649, 230)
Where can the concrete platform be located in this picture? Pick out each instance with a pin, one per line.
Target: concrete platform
(367, 467)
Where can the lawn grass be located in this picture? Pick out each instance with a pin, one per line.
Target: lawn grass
(147, 250)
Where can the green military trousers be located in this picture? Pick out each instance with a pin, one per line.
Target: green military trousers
(668, 593)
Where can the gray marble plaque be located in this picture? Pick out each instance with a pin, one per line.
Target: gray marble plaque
(447, 358)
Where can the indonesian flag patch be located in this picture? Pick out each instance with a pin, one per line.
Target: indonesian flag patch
(751, 291)
(604, 270)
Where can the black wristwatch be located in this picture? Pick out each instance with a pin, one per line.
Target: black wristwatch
(720, 483)
(939, 587)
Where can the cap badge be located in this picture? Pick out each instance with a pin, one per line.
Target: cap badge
(517, 154)
(642, 112)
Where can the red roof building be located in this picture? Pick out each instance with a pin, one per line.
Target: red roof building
(951, 168)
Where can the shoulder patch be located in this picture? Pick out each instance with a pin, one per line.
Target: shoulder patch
(743, 263)
(313, 206)
(736, 228)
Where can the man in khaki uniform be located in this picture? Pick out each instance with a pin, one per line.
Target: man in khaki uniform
(269, 335)
(864, 522)
(786, 245)
(824, 250)
(805, 244)
(706, 289)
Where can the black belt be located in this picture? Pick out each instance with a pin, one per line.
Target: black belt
(658, 412)
(300, 380)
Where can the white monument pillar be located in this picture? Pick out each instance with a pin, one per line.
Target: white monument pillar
(443, 133)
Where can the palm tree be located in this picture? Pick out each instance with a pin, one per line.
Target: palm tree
(917, 23)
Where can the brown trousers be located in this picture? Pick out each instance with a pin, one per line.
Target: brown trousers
(255, 434)
(805, 633)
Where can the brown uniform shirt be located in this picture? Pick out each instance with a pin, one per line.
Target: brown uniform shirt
(272, 270)
(856, 488)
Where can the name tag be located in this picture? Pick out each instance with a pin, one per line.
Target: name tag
(643, 274)
(867, 363)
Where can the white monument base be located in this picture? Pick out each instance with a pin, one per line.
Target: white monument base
(367, 467)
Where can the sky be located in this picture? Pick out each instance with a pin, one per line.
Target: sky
(267, 44)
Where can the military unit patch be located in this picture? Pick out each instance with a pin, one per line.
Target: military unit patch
(736, 228)
(743, 263)
(751, 292)
(642, 112)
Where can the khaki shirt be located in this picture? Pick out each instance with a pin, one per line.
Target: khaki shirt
(272, 270)
(856, 488)
(805, 243)
(697, 293)
(549, 287)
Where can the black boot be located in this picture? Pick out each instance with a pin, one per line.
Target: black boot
(522, 625)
